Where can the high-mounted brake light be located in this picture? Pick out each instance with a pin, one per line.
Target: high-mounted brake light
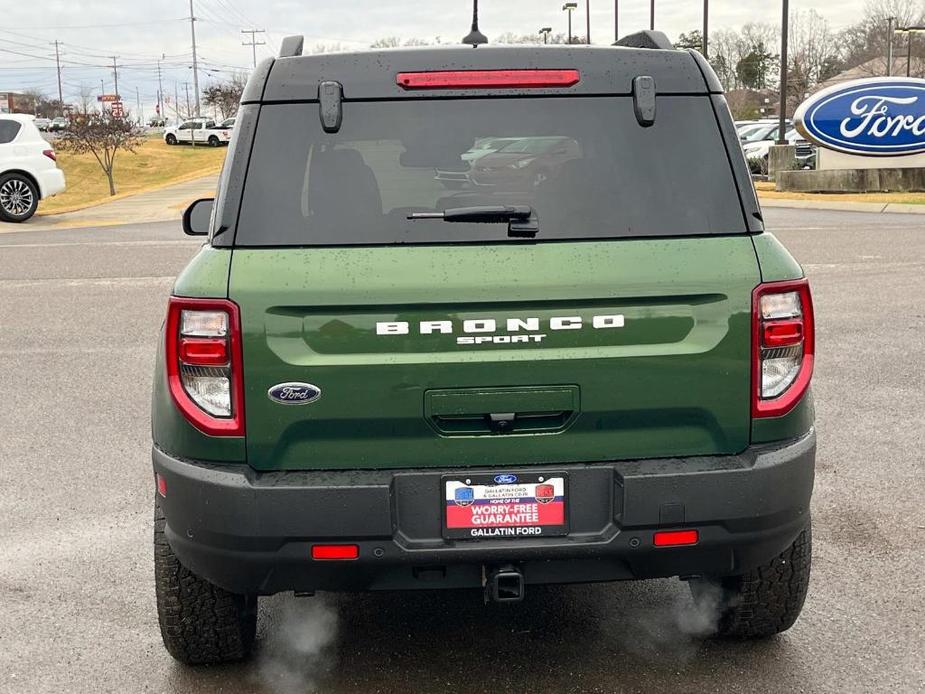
(204, 364)
(783, 346)
(488, 79)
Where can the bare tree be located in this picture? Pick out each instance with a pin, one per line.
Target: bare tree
(225, 96)
(86, 101)
(815, 54)
(102, 136)
(865, 44)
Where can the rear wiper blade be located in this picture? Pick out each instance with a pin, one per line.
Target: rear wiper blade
(521, 219)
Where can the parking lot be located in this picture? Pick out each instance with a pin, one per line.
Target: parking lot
(79, 317)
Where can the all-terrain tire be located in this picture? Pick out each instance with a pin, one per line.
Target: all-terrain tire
(201, 624)
(214, 141)
(764, 601)
(171, 139)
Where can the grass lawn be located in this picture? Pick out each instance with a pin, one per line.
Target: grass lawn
(766, 190)
(153, 165)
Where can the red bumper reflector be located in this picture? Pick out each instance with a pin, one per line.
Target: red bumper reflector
(204, 351)
(675, 538)
(161, 484)
(782, 333)
(335, 552)
(488, 79)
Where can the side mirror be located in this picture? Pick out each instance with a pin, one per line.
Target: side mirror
(198, 217)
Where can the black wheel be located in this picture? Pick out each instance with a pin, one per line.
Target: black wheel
(764, 601)
(214, 141)
(19, 198)
(201, 624)
(171, 139)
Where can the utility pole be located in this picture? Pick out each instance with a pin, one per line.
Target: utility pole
(889, 50)
(176, 99)
(706, 28)
(58, 64)
(652, 15)
(138, 103)
(192, 27)
(253, 43)
(102, 91)
(160, 90)
(588, 21)
(115, 75)
(186, 85)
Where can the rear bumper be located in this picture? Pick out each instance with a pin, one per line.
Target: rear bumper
(51, 182)
(252, 532)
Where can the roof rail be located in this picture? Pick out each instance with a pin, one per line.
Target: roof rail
(656, 40)
(291, 46)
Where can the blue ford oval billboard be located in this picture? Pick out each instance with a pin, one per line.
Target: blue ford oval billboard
(881, 116)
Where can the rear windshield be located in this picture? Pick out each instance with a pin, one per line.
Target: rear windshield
(585, 165)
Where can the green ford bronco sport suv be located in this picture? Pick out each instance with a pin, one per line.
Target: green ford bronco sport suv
(482, 318)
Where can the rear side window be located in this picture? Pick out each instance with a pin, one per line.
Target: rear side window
(9, 129)
(584, 164)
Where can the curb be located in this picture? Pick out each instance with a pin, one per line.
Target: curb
(867, 207)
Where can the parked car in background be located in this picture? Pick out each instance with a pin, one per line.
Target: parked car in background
(28, 168)
(757, 151)
(58, 124)
(456, 179)
(526, 163)
(198, 130)
(157, 122)
(42, 123)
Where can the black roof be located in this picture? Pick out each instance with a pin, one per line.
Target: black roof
(372, 74)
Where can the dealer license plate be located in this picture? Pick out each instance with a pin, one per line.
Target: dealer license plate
(504, 506)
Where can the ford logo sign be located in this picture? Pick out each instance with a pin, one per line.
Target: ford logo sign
(505, 479)
(881, 116)
(294, 393)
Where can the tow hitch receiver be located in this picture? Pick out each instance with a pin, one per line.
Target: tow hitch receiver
(504, 584)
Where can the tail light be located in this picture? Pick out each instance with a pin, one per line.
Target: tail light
(50, 153)
(783, 344)
(204, 365)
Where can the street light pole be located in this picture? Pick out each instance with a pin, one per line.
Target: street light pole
(616, 20)
(546, 31)
(588, 21)
(652, 15)
(909, 31)
(889, 49)
(706, 28)
(784, 40)
(570, 7)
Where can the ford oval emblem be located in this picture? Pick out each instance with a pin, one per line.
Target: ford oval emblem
(294, 393)
(880, 116)
(505, 479)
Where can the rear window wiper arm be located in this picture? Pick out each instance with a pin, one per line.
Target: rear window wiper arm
(521, 219)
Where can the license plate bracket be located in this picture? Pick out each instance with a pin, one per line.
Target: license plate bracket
(504, 506)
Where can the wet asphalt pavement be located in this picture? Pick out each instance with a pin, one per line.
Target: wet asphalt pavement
(79, 317)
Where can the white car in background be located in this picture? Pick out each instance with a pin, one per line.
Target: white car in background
(757, 151)
(28, 168)
(198, 130)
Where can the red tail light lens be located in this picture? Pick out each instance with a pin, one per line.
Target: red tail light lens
(50, 153)
(204, 364)
(783, 346)
(675, 538)
(488, 79)
(335, 552)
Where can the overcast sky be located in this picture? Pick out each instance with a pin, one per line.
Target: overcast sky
(140, 32)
